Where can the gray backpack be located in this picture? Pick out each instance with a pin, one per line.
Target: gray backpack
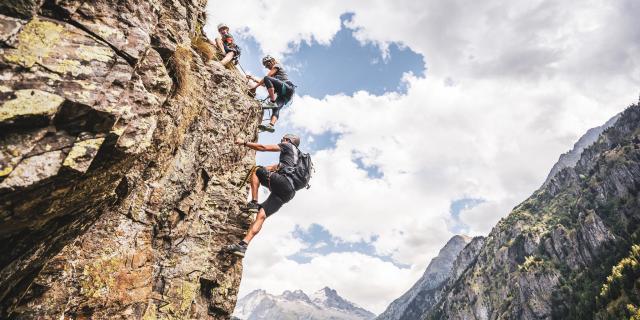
(300, 174)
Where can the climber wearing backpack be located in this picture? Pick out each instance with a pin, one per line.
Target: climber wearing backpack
(278, 86)
(226, 46)
(291, 173)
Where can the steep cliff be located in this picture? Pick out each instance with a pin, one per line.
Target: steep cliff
(119, 181)
(553, 256)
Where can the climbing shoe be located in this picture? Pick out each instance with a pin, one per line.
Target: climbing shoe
(252, 207)
(237, 248)
(269, 127)
(269, 105)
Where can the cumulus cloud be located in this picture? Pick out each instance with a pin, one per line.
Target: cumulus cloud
(435, 144)
(508, 88)
(279, 26)
(520, 39)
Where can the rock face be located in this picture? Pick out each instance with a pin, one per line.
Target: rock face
(553, 256)
(422, 295)
(119, 180)
(324, 304)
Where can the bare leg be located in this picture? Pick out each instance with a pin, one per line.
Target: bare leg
(273, 120)
(227, 58)
(255, 184)
(272, 94)
(219, 45)
(255, 226)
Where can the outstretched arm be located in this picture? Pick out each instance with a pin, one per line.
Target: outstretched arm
(260, 82)
(259, 147)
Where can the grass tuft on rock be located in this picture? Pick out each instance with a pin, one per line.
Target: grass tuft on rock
(204, 48)
(181, 65)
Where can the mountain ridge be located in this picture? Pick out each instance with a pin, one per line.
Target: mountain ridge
(550, 257)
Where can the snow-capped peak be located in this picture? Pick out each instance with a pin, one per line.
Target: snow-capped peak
(323, 304)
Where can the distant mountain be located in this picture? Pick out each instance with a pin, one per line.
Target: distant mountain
(322, 305)
(422, 296)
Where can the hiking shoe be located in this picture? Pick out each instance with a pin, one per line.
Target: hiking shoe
(269, 105)
(237, 249)
(269, 127)
(252, 207)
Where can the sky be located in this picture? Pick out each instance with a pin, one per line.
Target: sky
(425, 119)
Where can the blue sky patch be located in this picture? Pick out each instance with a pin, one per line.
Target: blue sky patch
(319, 241)
(323, 141)
(344, 66)
(454, 210)
(373, 171)
(347, 66)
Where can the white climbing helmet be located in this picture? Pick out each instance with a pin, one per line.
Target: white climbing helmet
(222, 25)
(266, 59)
(292, 138)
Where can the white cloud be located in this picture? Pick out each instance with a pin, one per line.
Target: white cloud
(509, 87)
(279, 26)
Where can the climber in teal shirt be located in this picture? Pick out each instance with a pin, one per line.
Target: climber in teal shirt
(279, 87)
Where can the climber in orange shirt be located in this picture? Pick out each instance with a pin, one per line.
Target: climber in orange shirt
(226, 46)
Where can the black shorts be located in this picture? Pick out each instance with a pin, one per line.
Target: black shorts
(236, 52)
(281, 190)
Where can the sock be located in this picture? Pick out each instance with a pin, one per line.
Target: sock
(254, 201)
(244, 244)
